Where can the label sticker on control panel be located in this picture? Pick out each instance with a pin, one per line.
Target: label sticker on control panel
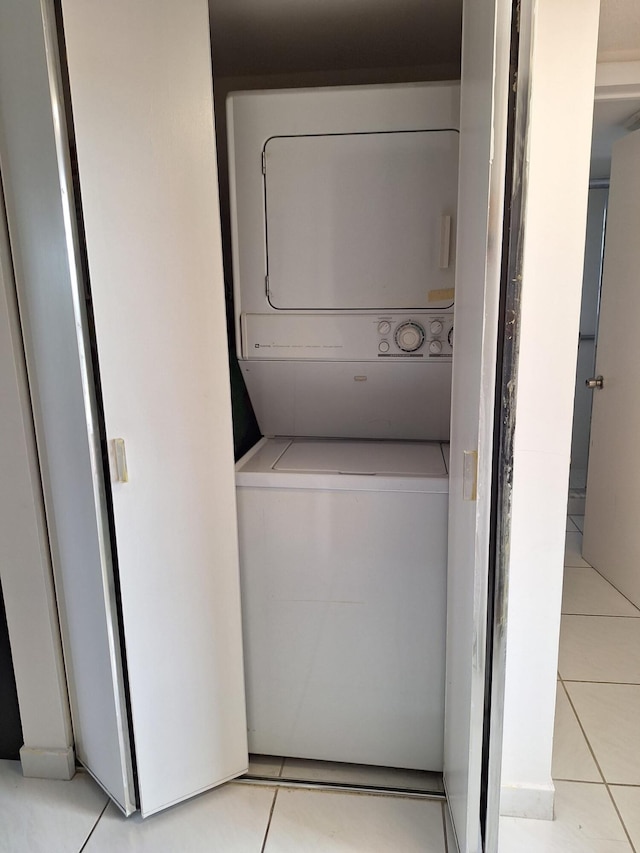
(446, 294)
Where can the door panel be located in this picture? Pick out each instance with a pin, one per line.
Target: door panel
(596, 213)
(361, 220)
(483, 117)
(611, 532)
(38, 197)
(143, 115)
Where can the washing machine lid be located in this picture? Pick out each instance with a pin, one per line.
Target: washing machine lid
(344, 465)
(386, 458)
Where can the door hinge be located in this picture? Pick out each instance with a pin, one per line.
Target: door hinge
(264, 162)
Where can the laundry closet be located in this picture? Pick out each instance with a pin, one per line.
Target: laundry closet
(326, 590)
(343, 206)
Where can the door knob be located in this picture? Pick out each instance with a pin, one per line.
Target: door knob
(595, 382)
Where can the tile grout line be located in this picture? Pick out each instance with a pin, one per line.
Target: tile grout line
(620, 818)
(268, 827)
(610, 683)
(584, 734)
(599, 615)
(606, 580)
(597, 763)
(93, 828)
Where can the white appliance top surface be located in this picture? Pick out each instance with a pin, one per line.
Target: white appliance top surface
(392, 458)
(341, 464)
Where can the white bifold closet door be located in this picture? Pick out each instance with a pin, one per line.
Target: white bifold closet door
(483, 125)
(142, 102)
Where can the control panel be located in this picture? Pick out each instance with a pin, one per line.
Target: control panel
(348, 337)
(422, 336)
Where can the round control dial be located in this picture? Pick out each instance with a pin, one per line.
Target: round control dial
(435, 347)
(409, 336)
(383, 346)
(384, 327)
(436, 327)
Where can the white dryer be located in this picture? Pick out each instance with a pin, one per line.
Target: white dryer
(343, 577)
(343, 210)
(343, 206)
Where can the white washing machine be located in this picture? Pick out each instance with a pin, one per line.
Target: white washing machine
(343, 205)
(343, 576)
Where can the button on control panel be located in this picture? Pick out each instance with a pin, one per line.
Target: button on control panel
(420, 336)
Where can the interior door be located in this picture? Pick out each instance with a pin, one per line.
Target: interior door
(142, 102)
(611, 540)
(483, 123)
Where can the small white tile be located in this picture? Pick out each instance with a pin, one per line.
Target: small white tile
(628, 802)
(330, 822)
(600, 648)
(266, 765)
(232, 818)
(572, 759)
(578, 520)
(360, 774)
(571, 525)
(573, 550)
(587, 592)
(46, 816)
(610, 715)
(585, 822)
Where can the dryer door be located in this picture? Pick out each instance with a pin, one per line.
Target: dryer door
(361, 221)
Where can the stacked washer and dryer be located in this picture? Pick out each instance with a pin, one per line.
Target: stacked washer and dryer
(343, 208)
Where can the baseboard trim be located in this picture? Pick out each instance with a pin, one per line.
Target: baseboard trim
(39, 763)
(533, 802)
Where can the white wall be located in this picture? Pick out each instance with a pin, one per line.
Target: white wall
(25, 567)
(563, 74)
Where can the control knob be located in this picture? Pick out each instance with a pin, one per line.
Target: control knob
(435, 347)
(435, 327)
(384, 327)
(409, 336)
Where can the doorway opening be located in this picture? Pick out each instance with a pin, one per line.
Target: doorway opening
(600, 635)
(268, 60)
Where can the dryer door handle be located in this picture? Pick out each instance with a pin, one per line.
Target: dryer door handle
(445, 241)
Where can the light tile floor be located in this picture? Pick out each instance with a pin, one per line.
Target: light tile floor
(60, 817)
(596, 760)
(596, 766)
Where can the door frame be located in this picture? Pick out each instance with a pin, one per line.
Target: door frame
(485, 460)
